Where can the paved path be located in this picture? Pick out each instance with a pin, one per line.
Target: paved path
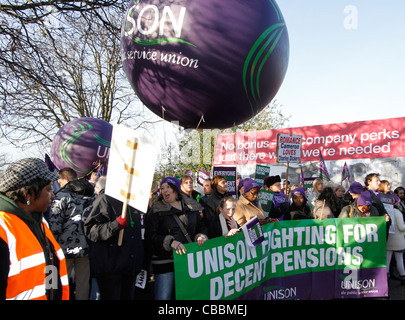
(396, 290)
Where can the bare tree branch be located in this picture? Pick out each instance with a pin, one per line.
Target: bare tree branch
(60, 60)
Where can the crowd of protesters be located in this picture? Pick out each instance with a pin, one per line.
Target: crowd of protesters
(79, 235)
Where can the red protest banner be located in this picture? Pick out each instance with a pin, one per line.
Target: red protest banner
(352, 140)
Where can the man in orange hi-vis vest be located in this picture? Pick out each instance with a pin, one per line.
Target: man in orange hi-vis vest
(32, 264)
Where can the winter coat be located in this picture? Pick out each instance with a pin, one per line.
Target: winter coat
(321, 211)
(219, 226)
(351, 211)
(162, 229)
(396, 241)
(377, 203)
(102, 229)
(66, 217)
(212, 204)
(312, 198)
(295, 213)
(246, 210)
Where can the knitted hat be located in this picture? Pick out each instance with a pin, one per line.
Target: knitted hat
(356, 188)
(23, 172)
(249, 183)
(270, 180)
(365, 199)
(299, 190)
(172, 180)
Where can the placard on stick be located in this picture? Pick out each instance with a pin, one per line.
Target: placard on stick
(288, 148)
(131, 167)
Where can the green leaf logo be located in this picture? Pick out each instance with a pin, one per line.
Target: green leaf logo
(64, 149)
(256, 59)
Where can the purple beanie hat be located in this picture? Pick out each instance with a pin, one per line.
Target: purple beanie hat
(172, 180)
(249, 183)
(356, 188)
(365, 199)
(299, 190)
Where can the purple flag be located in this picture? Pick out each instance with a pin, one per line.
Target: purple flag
(50, 164)
(345, 173)
(323, 171)
(302, 179)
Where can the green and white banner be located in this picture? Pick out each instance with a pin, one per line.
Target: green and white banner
(299, 259)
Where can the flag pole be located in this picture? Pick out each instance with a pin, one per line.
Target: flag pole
(286, 182)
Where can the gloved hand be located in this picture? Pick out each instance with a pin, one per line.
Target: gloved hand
(123, 222)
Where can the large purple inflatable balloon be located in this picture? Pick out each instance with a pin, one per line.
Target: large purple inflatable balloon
(205, 63)
(82, 144)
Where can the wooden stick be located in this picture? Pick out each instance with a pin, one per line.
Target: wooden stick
(323, 206)
(286, 182)
(134, 146)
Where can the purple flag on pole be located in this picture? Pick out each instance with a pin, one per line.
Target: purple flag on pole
(323, 171)
(345, 173)
(302, 179)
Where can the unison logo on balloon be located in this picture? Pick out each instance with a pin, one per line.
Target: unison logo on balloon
(82, 144)
(205, 63)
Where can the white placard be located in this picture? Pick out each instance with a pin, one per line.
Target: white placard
(288, 148)
(127, 143)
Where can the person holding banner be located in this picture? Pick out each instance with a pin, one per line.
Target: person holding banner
(172, 221)
(299, 209)
(224, 224)
(326, 205)
(361, 207)
(114, 266)
(247, 206)
(280, 203)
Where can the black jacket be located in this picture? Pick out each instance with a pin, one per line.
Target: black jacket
(102, 229)
(162, 229)
(212, 204)
(295, 213)
(380, 207)
(66, 217)
(215, 228)
(377, 203)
